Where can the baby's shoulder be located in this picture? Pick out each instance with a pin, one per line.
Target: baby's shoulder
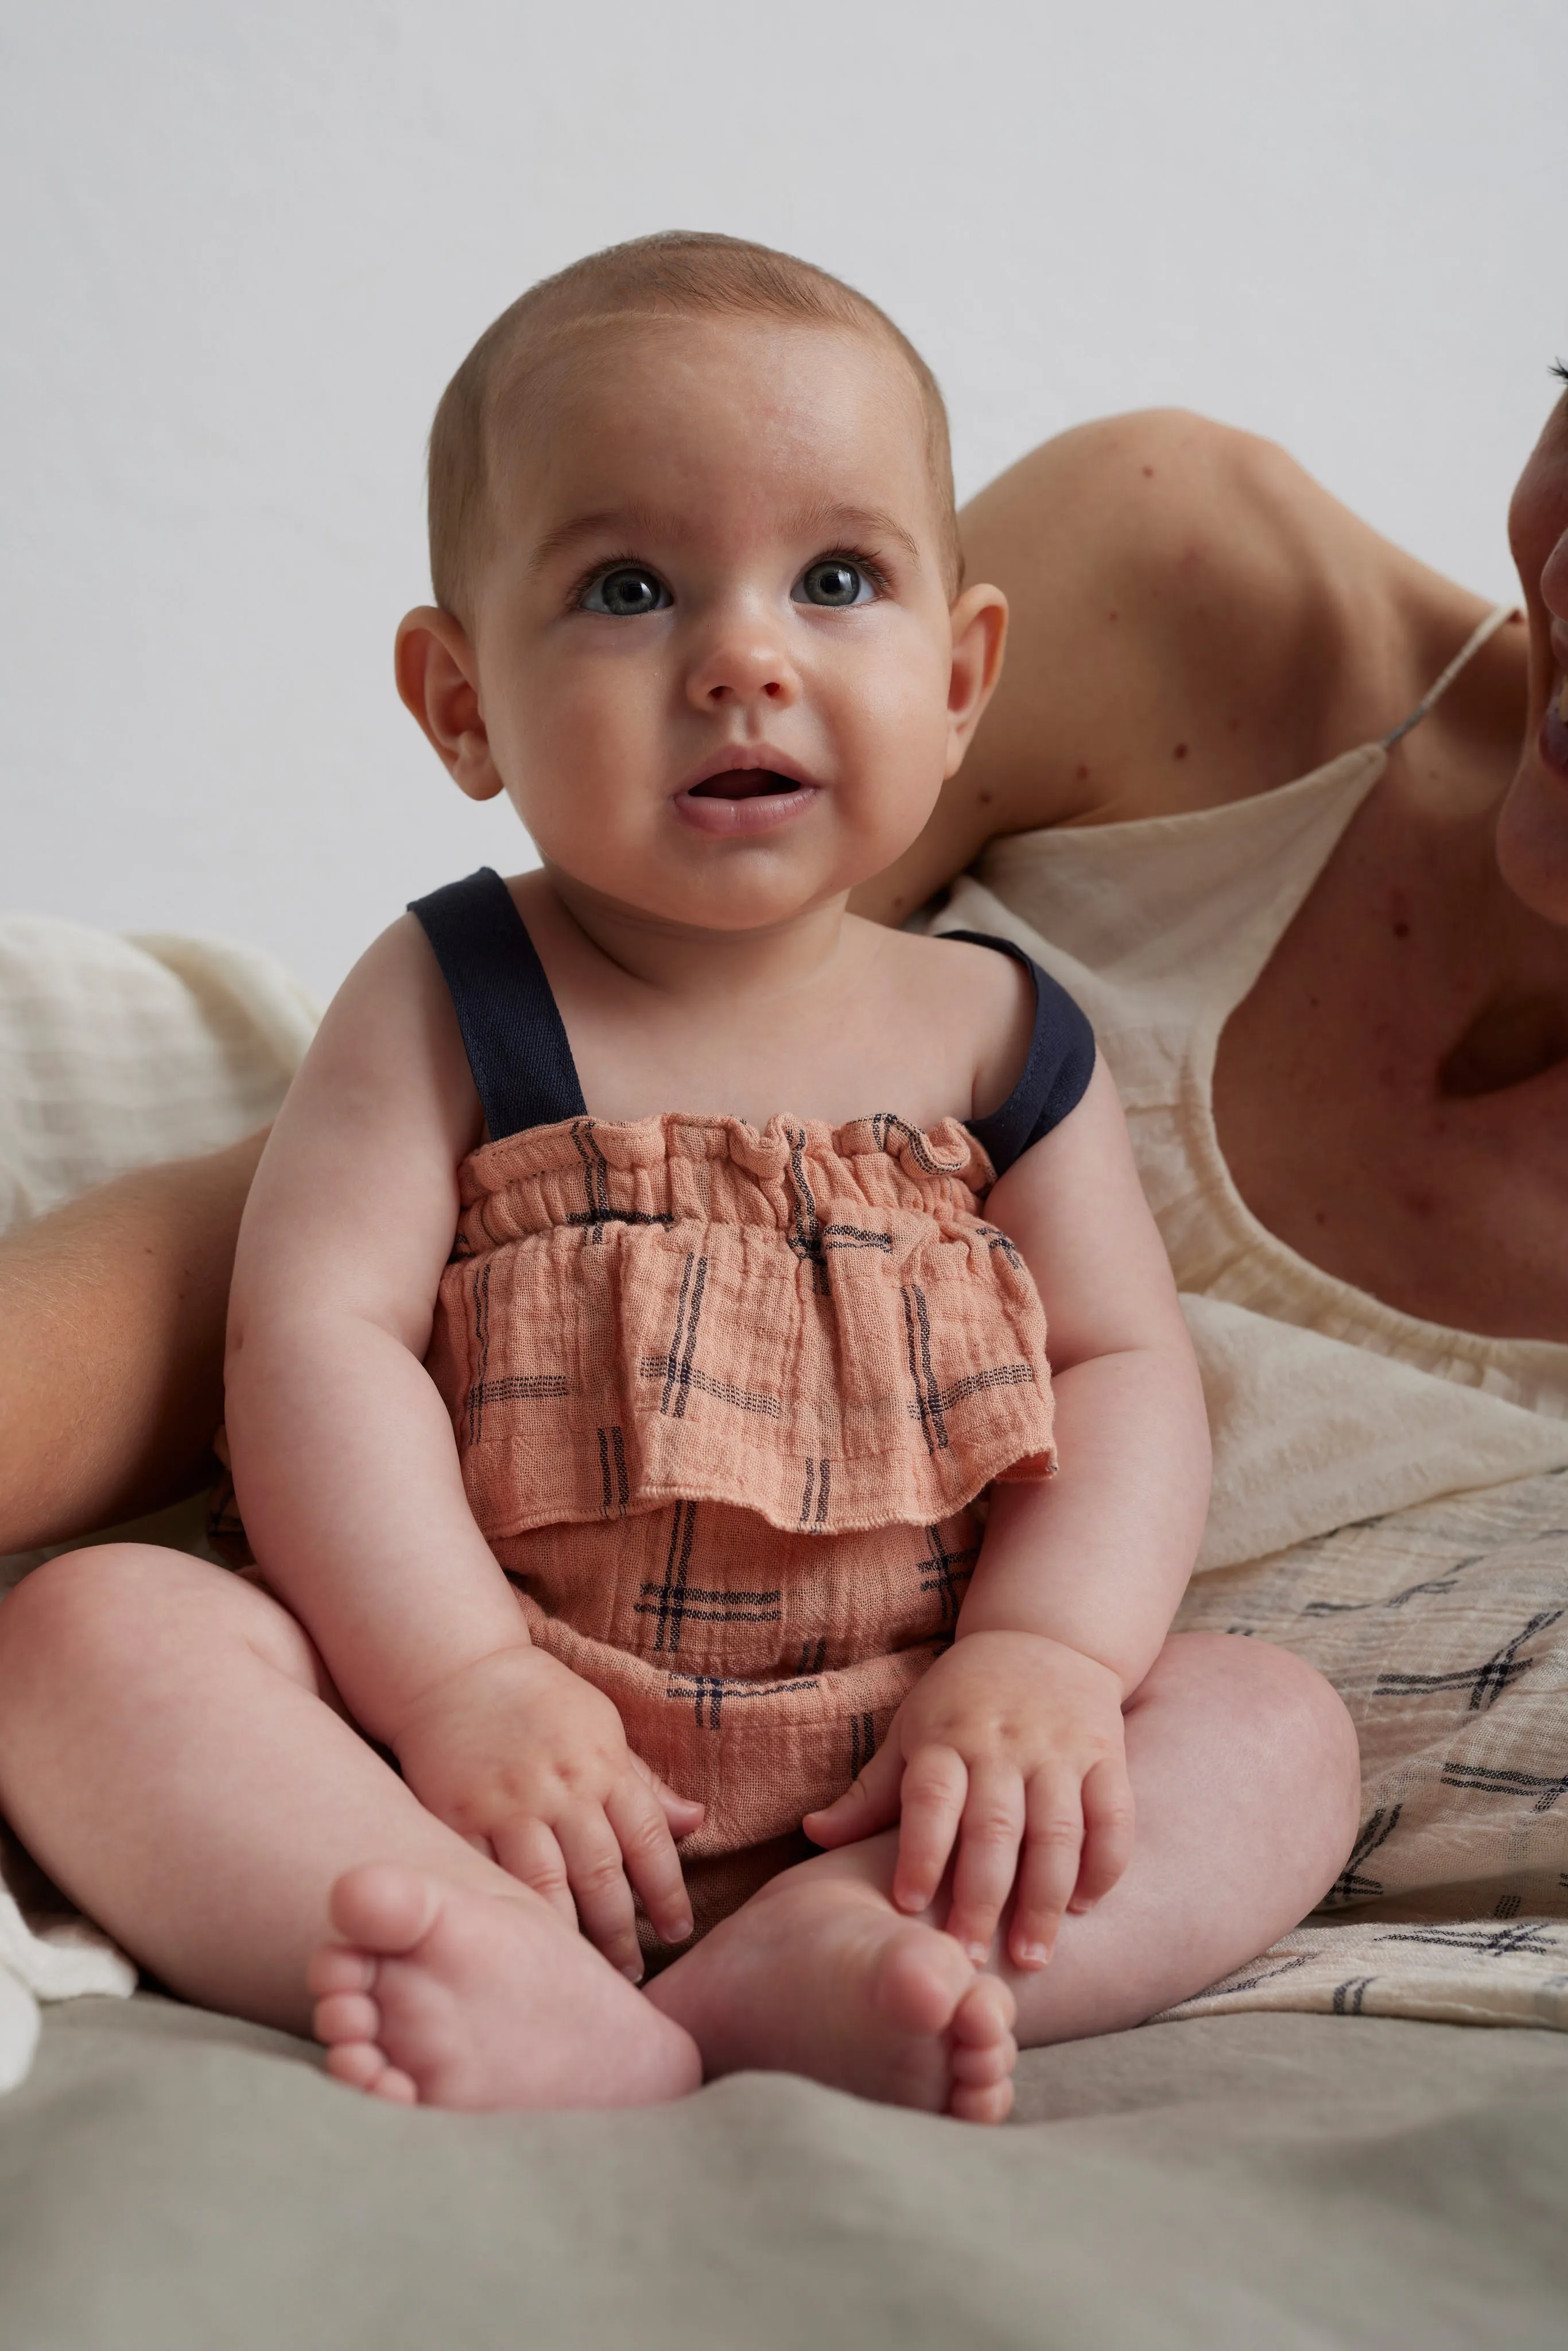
(985, 980)
(980, 1000)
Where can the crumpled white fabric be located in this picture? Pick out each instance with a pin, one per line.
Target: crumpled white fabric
(116, 1053)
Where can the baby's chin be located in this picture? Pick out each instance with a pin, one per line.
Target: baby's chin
(1532, 838)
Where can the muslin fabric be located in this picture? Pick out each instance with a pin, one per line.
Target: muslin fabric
(724, 1400)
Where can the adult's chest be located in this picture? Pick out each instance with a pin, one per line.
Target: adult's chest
(1392, 1097)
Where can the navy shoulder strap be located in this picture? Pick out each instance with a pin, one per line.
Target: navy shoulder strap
(1056, 1074)
(512, 1030)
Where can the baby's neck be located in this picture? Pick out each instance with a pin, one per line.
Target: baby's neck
(680, 960)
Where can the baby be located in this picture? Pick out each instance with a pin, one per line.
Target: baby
(697, 1508)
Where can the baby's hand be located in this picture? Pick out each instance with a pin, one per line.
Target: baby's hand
(1011, 1749)
(529, 1762)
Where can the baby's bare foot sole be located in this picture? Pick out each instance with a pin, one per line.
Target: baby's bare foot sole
(442, 1996)
(821, 1976)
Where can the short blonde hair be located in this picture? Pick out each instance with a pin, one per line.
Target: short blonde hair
(678, 273)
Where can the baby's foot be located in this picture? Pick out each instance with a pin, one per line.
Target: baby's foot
(447, 1997)
(819, 1975)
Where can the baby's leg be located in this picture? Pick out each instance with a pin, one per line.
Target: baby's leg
(172, 1751)
(1244, 1772)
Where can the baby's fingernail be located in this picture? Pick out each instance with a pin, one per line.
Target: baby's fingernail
(683, 1927)
(1033, 1955)
(632, 1971)
(979, 1952)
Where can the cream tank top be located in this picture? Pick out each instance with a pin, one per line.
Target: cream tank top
(1326, 1405)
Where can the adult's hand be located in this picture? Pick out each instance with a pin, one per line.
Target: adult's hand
(111, 1346)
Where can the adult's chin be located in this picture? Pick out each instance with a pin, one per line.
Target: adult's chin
(1533, 839)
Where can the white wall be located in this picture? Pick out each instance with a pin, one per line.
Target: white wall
(245, 245)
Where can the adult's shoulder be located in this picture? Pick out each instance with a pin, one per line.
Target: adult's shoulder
(1184, 597)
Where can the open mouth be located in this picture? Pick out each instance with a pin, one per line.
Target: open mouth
(744, 783)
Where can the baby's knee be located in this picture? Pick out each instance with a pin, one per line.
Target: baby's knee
(1292, 1721)
(61, 1611)
(80, 1622)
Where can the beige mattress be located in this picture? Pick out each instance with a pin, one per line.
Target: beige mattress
(172, 2180)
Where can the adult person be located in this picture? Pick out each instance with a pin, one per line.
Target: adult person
(1325, 948)
(1288, 815)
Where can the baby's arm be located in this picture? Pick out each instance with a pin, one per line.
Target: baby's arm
(348, 1476)
(1012, 1744)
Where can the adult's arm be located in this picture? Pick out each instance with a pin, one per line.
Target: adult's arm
(111, 1345)
(1182, 597)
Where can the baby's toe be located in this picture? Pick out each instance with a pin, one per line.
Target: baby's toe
(985, 2014)
(398, 2088)
(988, 2106)
(347, 2016)
(335, 1968)
(982, 2068)
(358, 2064)
(383, 1908)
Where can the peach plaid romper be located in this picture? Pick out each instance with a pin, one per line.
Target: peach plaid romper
(727, 1403)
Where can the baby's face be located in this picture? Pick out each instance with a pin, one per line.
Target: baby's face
(713, 644)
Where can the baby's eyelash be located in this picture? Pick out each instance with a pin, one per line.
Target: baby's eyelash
(1560, 369)
(861, 561)
(600, 568)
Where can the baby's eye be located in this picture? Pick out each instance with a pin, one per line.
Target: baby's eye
(835, 581)
(626, 593)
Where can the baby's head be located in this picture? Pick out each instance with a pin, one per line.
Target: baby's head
(700, 611)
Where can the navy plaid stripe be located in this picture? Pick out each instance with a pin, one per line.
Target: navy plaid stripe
(615, 1485)
(945, 1570)
(518, 1389)
(667, 1368)
(480, 1296)
(1490, 1782)
(819, 1477)
(928, 1406)
(1486, 1683)
(805, 1233)
(710, 1691)
(1352, 1884)
(862, 1742)
(596, 1187)
(677, 1364)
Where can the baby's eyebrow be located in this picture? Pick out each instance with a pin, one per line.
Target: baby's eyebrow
(617, 522)
(825, 524)
(830, 522)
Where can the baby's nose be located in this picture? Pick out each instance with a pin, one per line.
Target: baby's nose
(743, 666)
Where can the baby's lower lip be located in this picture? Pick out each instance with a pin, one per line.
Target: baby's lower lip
(745, 800)
(1554, 727)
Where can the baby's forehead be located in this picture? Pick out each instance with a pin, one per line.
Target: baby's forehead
(627, 382)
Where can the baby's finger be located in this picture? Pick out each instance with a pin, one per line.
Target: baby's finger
(683, 1813)
(988, 1839)
(1047, 1870)
(1108, 1823)
(598, 1879)
(869, 1804)
(936, 1783)
(526, 1849)
(652, 1863)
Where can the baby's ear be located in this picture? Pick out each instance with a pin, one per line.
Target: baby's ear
(438, 678)
(980, 635)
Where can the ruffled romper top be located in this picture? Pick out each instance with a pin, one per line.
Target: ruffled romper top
(726, 1401)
